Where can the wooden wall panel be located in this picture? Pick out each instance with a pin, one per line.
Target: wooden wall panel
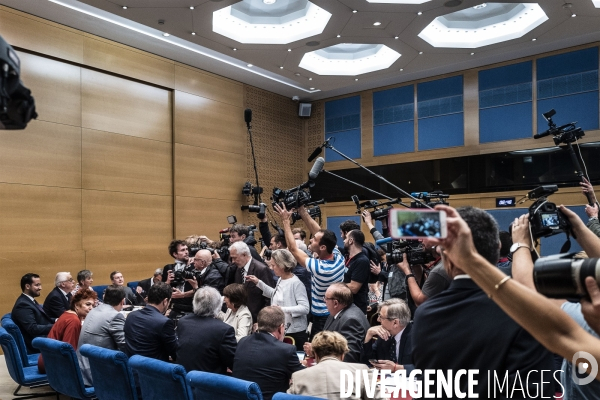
(50, 217)
(203, 122)
(134, 264)
(56, 87)
(203, 216)
(207, 173)
(44, 153)
(200, 83)
(118, 105)
(121, 221)
(125, 163)
(124, 60)
(44, 263)
(45, 37)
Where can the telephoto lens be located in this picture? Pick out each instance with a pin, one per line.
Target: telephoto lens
(563, 276)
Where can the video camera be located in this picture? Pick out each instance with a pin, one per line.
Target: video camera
(313, 210)
(431, 199)
(563, 276)
(258, 207)
(567, 133)
(379, 212)
(299, 195)
(17, 106)
(544, 218)
(416, 253)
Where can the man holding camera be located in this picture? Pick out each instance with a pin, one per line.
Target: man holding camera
(177, 275)
(207, 274)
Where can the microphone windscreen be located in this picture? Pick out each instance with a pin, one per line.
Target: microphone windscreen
(316, 169)
(248, 115)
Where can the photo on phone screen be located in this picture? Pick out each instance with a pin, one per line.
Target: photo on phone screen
(412, 224)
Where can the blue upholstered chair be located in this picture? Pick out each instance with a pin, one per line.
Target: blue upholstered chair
(132, 285)
(62, 368)
(160, 380)
(23, 375)
(113, 378)
(28, 360)
(214, 386)
(285, 396)
(100, 291)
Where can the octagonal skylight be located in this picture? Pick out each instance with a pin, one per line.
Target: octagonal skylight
(285, 21)
(596, 3)
(349, 59)
(484, 24)
(401, 1)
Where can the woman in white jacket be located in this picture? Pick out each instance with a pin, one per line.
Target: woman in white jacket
(289, 294)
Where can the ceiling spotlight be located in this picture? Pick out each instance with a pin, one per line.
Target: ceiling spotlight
(472, 54)
(420, 13)
(191, 7)
(124, 7)
(289, 49)
(297, 74)
(281, 67)
(193, 33)
(166, 34)
(401, 69)
(396, 37)
(355, 79)
(312, 88)
(249, 65)
(269, 1)
(234, 49)
(310, 79)
(420, 52)
(533, 40)
(376, 23)
(354, 11)
(573, 15)
(339, 35)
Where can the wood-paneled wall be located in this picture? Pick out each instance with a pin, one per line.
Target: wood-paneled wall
(129, 150)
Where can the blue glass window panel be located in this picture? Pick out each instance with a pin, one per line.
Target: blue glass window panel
(500, 96)
(509, 75)
(342, 114)
(567, 84)
(394, 138)
(441, 132)
(567, 64)
(393, 97)
(582, 108)
(505, 123)
(347, 142)
(440, 106)
(447, 87)
(399, 113)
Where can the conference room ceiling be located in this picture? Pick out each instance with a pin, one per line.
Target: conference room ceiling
(346, 32)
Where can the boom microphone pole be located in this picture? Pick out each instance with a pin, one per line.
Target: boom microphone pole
(248, 119)
(381, 195)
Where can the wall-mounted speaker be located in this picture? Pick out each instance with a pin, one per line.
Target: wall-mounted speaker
(304, 109)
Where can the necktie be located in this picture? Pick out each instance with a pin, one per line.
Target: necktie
(69, 295)
(39, 306)
(243, 275)
(393, 357)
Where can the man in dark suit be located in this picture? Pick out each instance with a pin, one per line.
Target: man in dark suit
(145, 284)
(346, 319)
(29, 316)
(148, 332)
(240, 256)
(462, 329)
(264, 358)
(206, 272)
(59, 299)
(205, 342)
(390, 343)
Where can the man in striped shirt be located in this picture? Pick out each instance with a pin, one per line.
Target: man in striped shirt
(324, 270)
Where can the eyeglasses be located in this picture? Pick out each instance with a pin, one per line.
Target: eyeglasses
(380, 317)
(69, 280)
(328, 298)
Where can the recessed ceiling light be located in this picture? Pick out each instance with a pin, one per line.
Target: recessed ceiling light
(420, 13)
(401, 69)
(396, 37)
(376, 23)
(249, 65)
(573, 15)
(339, 35)
(533, 40)
(234, 49)
(269, 1)
(194, 33)
(297, 74)
(310, 79)
(166, 34)
(355, 79)
(472, 54)
(281, 67)
(124, 7)
(420, 52)
(289, 49)
(354, 11)
(312, 88)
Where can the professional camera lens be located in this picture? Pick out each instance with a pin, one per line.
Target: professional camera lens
(562, 276)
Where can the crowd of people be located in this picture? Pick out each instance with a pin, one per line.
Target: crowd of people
(475, 307)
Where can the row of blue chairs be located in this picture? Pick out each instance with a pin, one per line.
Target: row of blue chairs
(99, 289)
(113, 373)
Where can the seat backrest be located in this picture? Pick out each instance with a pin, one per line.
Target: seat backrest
(133, 285)
(100, 291)
(285, 396)
(15, 332)
(112, 376)
(12, 357)
(207, 385)
(62, 368)
(7, 315)
(160, 380)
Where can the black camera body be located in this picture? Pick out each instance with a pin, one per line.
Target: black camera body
(562, 276)
(430, 199)
(292, 198)
(379, 211)
(314, 212)
(416, 253)
(267, 254)
(179, 276)
(544, 218)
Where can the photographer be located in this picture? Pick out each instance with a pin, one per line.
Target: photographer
(206, 272)
(327, 269)
(241, 233)
(174, 275)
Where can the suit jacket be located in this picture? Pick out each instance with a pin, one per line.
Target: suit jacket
(323, 380)
(150, 334)
(145, 284)
(256, 300)
(103, 327)
(205, 344)
(265, 360)
(461, 328)
(213, 278)
(56, 303)
(352, 324)
(31, 319)
(381, 350)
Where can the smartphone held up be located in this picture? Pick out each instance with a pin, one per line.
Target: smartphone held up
(421, 224)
